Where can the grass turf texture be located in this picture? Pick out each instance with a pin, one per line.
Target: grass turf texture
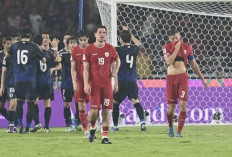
(198, 141)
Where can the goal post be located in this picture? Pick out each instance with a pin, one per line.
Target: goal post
(206, 25)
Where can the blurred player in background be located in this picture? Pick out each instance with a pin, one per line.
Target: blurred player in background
(66, 82)
(127, 77)
(176, 53)
(98, 60)
(6, 42)
(77, 78)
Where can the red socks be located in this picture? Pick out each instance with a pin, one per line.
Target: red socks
(105, 131)
(181, 121)
(83, 119)
(170, 119)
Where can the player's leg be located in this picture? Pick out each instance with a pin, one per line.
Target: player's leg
(47, 114)
(19, 114)
(94, 99)
(107, 105)
(3, 110)
(67, 98)
(30, 95)
(83, 118)
(36, 117)
(183, 97)
(118, 98)
(11, 114)
(132, 88)
(171, 98)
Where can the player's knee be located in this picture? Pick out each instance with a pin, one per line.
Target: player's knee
(81, 106)
(183, 105)
(135, 101)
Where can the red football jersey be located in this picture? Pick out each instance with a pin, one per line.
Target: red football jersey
(184, 52)
(100, 60)
(77, 56)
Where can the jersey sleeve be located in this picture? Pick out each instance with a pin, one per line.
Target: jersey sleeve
(5, 62)
(114, 55)
(86, 55)
(73, 57)
(166, 49)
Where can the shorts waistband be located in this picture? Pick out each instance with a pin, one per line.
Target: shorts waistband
(178, 75)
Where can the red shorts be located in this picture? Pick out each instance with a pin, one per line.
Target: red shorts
(177, 88)
(101, 95)
(80, 96)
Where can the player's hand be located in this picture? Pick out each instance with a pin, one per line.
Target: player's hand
(177, 47)
(114, 73)
(57, 87)
(125, 28)
(51, 71)
(115, 87)
(75, 87)
(1, 91)
(55, 42)
(87, 89)
(205, 84)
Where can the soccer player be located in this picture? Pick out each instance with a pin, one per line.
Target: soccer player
(98, 59)
(77, 78)
(6, 42)
(8, 86)
(127, 77)
(65, 49)
(44, 79)
(176, 53)
(66, 83)
(24, 55)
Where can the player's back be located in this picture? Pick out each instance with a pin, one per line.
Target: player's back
(66, 70)
(10, 78)
(128, 55)
(24, 56)
(77, 56)
(43, 69)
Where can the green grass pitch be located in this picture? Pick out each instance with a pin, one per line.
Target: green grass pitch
(198, 141)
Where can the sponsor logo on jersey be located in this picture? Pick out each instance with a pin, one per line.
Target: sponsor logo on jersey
(107, 54)
(94, 54)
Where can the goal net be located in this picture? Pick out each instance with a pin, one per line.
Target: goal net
(206, 26)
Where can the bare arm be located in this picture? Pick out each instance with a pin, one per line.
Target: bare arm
(4, 69)
(114, 68)
(54, 44)
(135, 41)
(170, 58)
(86, 78)
(74, 76)
(196, 69)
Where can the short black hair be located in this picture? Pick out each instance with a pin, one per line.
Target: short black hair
(125, 36)
(45, 32)
(38, 39)
(71, 38)
(67, 33)
(6, 39)
(25, 32)
(172, 31)
(83, 33)
(100, 26)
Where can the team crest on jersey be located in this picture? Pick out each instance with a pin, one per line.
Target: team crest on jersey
(107, 54)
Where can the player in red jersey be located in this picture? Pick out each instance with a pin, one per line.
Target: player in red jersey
(77, 78)
(176, 54)
(99, 58)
